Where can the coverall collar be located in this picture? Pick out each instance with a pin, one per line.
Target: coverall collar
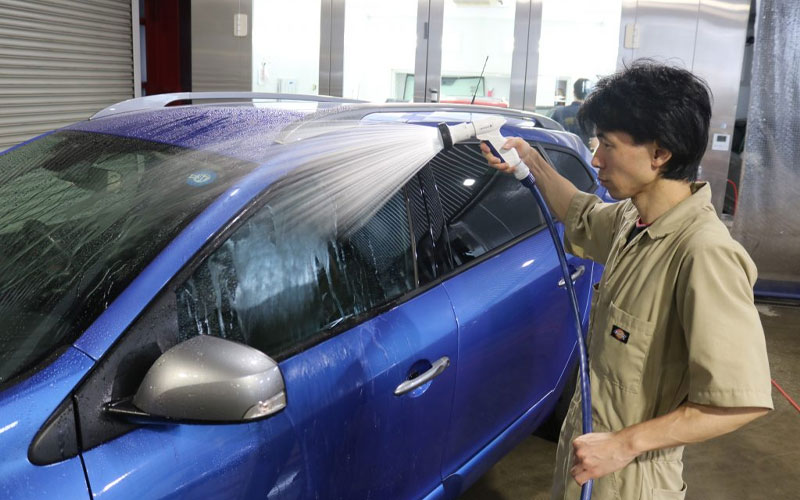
(676, 217)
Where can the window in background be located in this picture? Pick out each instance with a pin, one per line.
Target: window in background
(379, 49)
(579, 39)
(286, 46)
(470, 34)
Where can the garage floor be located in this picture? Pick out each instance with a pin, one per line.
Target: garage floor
(759, 461)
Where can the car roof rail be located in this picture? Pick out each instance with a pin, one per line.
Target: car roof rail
(361, 109)
(162, 100)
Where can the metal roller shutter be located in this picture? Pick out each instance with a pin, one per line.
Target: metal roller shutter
(60, 62)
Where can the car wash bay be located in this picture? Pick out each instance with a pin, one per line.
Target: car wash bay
(62, 62)
(758, 461)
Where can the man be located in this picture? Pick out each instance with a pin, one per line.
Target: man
(676, 348)
(568, 115)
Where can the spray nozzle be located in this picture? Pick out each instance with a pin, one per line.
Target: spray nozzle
(486, 130)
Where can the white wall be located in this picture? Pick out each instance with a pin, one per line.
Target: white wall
(286, 46)
(580, 39)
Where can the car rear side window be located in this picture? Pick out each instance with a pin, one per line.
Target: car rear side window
(568, 165)
(483, 208)
(280, 285)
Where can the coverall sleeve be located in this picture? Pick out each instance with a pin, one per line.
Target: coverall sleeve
(728, 364)
(590, 227)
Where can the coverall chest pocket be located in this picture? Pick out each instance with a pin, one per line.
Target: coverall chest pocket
(621, 344)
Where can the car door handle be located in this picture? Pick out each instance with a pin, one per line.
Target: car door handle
(574, 277)
(434, 371)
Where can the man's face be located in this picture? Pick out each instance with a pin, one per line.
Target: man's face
(626, 169)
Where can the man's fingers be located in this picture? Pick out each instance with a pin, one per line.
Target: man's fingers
(579, 475)
(493, 160)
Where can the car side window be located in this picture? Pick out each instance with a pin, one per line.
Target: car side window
(571, 167)
(277, 286)
(483, 208)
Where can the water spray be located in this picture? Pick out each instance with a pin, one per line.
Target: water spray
(487, 130)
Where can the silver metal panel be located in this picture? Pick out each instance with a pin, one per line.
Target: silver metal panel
(519, 59)
(627, 17)
(532, 69)
(161, 100)
(325, 48)
(667, 30)
(337, 48)
(96, 15)
(427, 84)
(60, 62)
(718, 56)
(421, 57)
(433, 81)
(66, 32)
(220, 60)
(136, 45)
(707, 37)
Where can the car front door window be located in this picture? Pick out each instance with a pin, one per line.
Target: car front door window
(276, 286)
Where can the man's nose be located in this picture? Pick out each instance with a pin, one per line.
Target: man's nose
(596, 161)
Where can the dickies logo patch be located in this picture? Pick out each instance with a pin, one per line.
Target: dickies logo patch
(620, 334)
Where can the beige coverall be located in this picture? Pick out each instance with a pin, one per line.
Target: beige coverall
(672, 320)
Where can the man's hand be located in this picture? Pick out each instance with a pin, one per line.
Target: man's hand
(597, 454)
(527, 154)
(557, 190)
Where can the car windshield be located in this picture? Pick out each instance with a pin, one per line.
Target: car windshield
(81, 214)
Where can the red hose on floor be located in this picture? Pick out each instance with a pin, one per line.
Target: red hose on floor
(735, 194)
(780, 389)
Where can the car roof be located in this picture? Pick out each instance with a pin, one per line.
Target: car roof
(247, 131)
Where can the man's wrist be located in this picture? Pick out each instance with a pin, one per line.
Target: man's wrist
(630, 442)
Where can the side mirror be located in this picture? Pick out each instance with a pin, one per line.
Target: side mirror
(206, 380)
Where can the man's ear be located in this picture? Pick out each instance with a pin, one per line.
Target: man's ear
(659, 156)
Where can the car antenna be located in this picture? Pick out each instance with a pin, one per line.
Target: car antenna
(479, 81)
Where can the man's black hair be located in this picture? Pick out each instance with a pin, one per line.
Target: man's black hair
(580, 88)
(655, 102)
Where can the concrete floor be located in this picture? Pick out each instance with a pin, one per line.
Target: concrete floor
(759, 461)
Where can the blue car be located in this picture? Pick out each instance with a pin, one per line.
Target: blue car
(173, 326)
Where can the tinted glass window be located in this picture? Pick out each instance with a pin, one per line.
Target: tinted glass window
(80, 215)
(277, 286)
(483, 208)
(571, 167)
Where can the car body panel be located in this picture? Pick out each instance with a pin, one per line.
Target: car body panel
(340, 410)
(360, 439)
(24, 408)
(253, 460)
(510, 351)
(459, 480)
